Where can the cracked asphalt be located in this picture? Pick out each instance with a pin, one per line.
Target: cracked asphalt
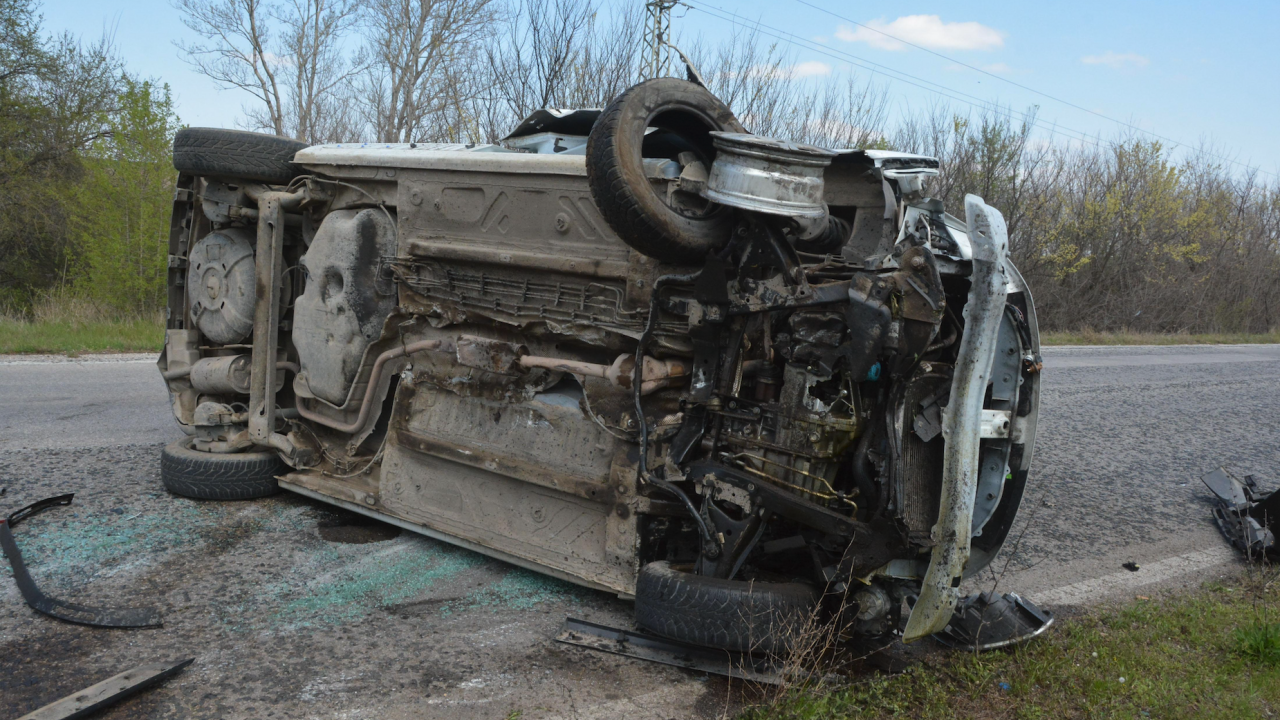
(294, 609)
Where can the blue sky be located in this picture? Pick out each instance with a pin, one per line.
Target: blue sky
(1189, 71)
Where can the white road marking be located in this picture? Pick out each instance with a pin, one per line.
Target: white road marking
(1093, 589)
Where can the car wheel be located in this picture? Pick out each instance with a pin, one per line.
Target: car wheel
(638, 211)
(728, 614)
(191, 473)
(235, 153)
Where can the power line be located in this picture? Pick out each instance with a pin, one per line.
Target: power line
(890, 73)
(1041, 93)
(915, 81)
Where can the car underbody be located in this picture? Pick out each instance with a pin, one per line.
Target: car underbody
(837, 392)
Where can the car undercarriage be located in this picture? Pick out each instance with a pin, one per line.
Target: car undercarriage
(744, 381)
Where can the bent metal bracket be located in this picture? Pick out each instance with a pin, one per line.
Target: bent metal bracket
(72, 613)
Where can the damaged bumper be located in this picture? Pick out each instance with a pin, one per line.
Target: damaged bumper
(962, 421)
(1250, 520)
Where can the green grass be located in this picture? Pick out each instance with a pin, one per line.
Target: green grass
(1091, 337)
(1210, 654)
(74, 337)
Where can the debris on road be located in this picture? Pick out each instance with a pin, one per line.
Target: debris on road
(642, 646)
(1250, 520)
(986, 621)
(79, 614)
(112, 690)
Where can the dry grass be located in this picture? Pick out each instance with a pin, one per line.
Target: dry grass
(1093, 337)
(1214, 653)
(71, 325)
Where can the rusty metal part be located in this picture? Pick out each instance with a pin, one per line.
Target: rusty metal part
(961, 423)
(69, 612)
(452, 290)
(828, 493)
(656, 373)
(269, 263)
(108, 692)
(187, 371)
(366, 404)
(222, 375)
(491, 355)
(784, 503)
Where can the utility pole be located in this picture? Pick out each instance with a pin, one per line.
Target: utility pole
(658, 34)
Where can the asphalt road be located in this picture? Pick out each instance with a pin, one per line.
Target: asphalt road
(287, 621)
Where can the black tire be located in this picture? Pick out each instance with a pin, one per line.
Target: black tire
(219, 476)
(236, 154)
(615, 168)
(726, 614)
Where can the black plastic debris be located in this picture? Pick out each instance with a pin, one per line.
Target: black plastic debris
(643, 646)
(108, 692)
(79, 614)
(987, 621)
(1250, 520)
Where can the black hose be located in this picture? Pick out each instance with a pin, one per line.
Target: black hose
(637, 379)
(862, 464)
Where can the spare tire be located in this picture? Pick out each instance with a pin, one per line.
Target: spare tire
(191, 473)
(236, 154)
(727, 614)
(684, 115)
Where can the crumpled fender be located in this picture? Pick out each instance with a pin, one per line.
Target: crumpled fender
(962, 419)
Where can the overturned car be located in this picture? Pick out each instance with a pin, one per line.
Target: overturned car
(741, 380)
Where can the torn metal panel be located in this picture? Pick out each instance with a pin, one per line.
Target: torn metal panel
(961, 427)
(69, 612)
(554, 120)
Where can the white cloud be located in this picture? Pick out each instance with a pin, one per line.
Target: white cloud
(1116, 60)
(810, 68)
(924, 30)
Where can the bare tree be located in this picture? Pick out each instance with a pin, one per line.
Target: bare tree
(289, 57)
(559, 54)
(419, 50)
(317, 68)
(529, 63)
(235, 53)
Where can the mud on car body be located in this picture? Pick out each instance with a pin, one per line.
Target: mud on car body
(638, 349)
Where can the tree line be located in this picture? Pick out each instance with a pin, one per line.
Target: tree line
(1112, 233)
(84, 172)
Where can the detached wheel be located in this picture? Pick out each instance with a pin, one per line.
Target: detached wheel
(677, 227)
(726, 614)
(236, 153)
(191, 473)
